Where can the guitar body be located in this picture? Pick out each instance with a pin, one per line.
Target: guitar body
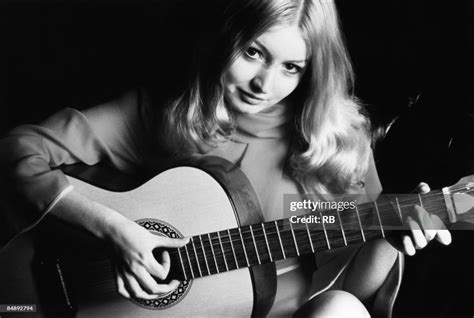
(194, 203)
(182, 201)
(226, 270)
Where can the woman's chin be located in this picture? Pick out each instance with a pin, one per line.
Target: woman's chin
(245, 108)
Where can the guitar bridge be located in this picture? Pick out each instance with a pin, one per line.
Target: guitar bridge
(52, 286)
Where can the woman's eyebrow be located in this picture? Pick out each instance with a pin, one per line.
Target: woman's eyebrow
(267, 52)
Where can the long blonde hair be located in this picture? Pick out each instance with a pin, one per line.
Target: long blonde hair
(331, 153)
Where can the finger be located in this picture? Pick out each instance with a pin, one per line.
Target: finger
(134, 287)
(444, 237)
(159, 269)
(121, 286)
(431, 230)
(425, 222)
(408, 245)
(442, 234)
(167, 288)
(146, 281)
(151, 286)
(165, 263)
(417, 235)
(422, 188)
(163, 241)
(430, 234)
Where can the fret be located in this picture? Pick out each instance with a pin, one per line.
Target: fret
(309, 237)
(200, 257)
(220, 257)
(286, 235)
(197, 259)
(238, 247)
(255, 245)
(449, 203)
(399, 209)
(213, 253)
(260, 241)
(360, 224)
(182, 264)
(324, 229)
(223, 253)
(220, 252)
(302, 236)
(421, 201)
(205, 256)
(279, 239)
(227, 250)
(294, 239)
(250, 245)
(266, 241)
(245, 249)
(233, 249)
(435, 203)
(189, 261)
(378, 216)
(342, 229)
(211, 259)
(274, 247)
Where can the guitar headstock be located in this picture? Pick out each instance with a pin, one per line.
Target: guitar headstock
(460, 200)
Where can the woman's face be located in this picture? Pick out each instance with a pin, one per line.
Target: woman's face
(267, 72)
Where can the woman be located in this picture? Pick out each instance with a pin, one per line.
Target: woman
(272, 97)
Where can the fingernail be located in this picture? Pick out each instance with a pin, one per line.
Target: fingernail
(425, 187)
(450, 239)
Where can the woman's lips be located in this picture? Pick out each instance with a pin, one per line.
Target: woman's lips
(250, 98)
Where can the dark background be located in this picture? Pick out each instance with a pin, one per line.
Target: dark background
(413, 61)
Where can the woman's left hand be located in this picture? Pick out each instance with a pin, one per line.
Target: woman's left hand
(423, 227)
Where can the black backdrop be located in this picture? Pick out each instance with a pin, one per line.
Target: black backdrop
(57, 53)
(77, 53)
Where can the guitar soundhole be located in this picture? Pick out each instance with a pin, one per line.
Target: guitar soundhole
(159, 227)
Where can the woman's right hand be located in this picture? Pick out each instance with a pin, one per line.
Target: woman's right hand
(136, 266)
(133, 245)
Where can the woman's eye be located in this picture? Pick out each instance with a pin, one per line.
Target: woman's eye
(292, 68)
(252, 53)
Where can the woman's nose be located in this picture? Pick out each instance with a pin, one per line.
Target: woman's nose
(262, 81)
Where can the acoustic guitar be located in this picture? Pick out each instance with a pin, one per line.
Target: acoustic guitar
(227, 268)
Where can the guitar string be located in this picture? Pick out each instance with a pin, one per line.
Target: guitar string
(221, 255)
(306, 246)
(354, 225)
(362, 213)
(270, 240)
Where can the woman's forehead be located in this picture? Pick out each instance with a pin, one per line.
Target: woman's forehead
(286, 42)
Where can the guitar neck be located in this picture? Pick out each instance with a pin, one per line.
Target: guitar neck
(235, 248)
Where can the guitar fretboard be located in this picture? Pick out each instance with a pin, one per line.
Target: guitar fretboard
(235, 248)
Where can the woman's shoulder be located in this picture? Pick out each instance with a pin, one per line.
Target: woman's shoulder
(133, 102)
(132, 106)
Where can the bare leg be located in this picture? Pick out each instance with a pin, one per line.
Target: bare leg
(369, 269)
(333, 304)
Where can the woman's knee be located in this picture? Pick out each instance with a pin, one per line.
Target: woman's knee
(334, 303)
